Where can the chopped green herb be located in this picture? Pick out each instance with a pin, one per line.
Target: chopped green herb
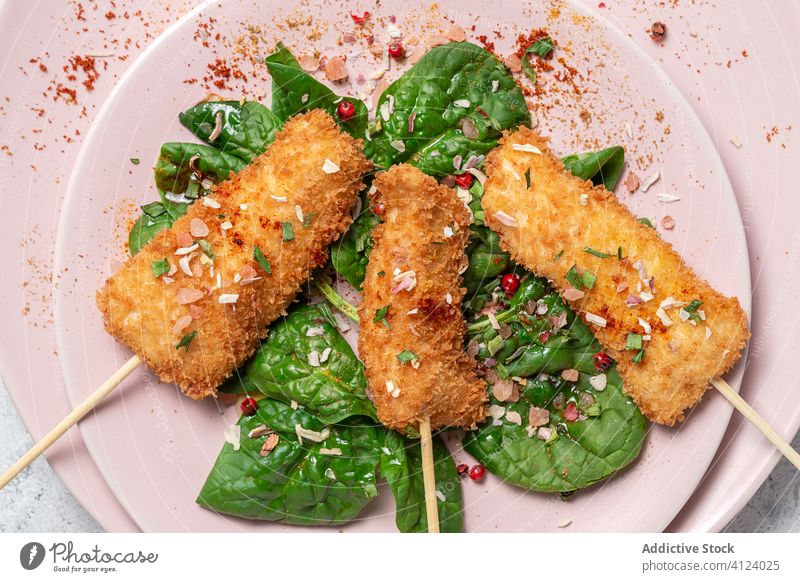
(593, 410)
(646, 222)
(694, 304)
(206, 247)
(154, 209)
(494, 344)
(589, 279)
(407, 356)
(692, 308)
(262, 260)
(288, 233)
(186, 341)
(633, 342)
(160, 267)
(598, 254)
(619, 253)
(638, 357)
(528, 178)
(541, 48)
(381, 273)
(221, 216)
(558, 256)
(308, 218)
(553, 437)
(380, 316)
(135, 161)
(574, 277)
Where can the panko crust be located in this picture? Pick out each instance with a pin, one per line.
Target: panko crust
(551, 218)
(141, 311)
(426, 319)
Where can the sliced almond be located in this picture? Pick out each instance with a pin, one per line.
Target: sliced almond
(270, 443)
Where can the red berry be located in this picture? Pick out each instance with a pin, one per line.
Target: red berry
(477, 472)
(360, 19)
(601, 361)
(510, 283)
(465, 180)
(462, 470)
(346, 110)
(396, 50)
(571, 412)
(249, 406)
(379, 209)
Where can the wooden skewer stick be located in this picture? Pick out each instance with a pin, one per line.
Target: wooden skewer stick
(77, 414)
(756, 420)
(428, 477)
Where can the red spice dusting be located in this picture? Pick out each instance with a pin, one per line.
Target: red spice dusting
(222, 72)
(360, 19)
(110, 15)
(85, 64)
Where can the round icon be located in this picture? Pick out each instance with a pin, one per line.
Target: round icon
(31, 555)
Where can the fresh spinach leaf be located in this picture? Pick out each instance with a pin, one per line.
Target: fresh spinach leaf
(280, 369)
(295, 91)
(247, 128)
(306, 483)
(608, 436)
(181, 168)
(350, 254)
(461, 98)
(146, 227)
(603, 167)
(401, 466)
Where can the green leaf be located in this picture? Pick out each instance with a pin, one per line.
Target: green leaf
(205, 246)
(295, 91)
(646, 221)
(541, 48)
(380, 315)
(598, 254)
(350, 254)
(332, 391)
(160, 267)
(633, 341)
(433, 90)
(401, 466)
(181, 167)
(146, 227)
(262, 261)
(603, 167)
(574, 277)
(579, 453)
(288, 233)
(296, 482)
(407, 356)
(186, 341)
(247, 128)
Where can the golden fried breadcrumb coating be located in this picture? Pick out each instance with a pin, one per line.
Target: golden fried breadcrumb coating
(548, 226)
(301, 189)
(414, 270)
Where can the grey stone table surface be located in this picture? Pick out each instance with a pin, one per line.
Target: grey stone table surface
(37, 500)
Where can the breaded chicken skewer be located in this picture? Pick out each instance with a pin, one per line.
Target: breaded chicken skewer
(195, 302)
(237, 259)
(412, 329)
(669, 331)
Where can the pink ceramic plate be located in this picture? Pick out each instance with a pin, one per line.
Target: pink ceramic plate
(155, 448)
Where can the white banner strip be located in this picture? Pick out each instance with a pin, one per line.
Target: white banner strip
(385, 557)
